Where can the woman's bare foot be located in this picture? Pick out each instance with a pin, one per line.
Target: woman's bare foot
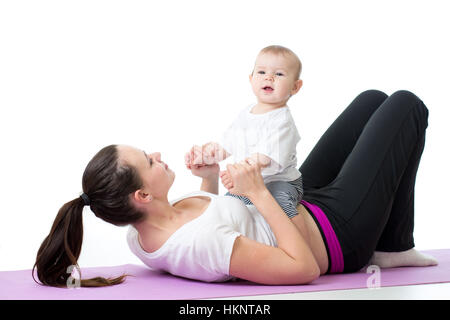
(408, 258)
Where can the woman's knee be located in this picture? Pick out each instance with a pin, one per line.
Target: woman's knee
(409, 99)
(405, 95)
(373, 95)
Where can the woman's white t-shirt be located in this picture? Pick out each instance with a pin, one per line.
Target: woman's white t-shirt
(201, 249)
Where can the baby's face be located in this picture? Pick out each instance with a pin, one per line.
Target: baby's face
(273, 80)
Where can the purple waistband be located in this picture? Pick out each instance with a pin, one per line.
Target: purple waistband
(334, 248)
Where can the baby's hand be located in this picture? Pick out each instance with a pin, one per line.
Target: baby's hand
(213, 152)
(196, 157)
(200, 170)
(193, 157)
(187, 160)
(260, 159)
(208, 154)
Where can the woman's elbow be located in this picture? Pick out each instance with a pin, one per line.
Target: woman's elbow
(308, 273)
(315, 274)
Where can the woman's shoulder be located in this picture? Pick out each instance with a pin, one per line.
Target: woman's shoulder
(160, 239)
(193, 194)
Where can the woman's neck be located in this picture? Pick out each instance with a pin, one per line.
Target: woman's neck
(160, 215)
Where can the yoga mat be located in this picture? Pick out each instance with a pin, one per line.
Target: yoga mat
(151, 285)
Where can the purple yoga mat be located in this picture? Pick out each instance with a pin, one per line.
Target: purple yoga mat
(148, 284)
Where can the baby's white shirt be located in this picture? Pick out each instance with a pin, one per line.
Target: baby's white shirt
(201, 249)
(273, 134)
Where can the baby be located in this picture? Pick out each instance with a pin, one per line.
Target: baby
(265, 131)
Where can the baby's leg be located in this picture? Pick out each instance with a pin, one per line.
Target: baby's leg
(287, 194)
(242, 198)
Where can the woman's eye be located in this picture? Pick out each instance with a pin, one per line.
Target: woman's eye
(151, 161)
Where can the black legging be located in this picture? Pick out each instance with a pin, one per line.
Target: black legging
(362, 173)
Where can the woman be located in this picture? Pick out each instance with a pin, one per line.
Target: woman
(358, 207)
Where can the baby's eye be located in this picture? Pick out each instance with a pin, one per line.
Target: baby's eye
(261, 72)
(279, 74)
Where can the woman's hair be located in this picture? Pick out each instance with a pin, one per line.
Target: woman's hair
(108, 185)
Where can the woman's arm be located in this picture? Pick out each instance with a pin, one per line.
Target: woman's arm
(292, 262)
(210, 184)
(208, 173)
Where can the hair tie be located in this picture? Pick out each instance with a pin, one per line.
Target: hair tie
(85, 198)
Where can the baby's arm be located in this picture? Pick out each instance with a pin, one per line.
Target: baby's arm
(261, 159)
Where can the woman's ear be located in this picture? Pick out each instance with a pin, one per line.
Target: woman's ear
(141, 196)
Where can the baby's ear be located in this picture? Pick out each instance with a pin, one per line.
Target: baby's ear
(297, 85)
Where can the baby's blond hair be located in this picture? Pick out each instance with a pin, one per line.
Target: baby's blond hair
(275, 49)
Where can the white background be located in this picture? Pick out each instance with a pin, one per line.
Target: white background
(162, 75)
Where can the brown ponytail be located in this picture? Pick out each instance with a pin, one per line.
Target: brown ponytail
(108, 186)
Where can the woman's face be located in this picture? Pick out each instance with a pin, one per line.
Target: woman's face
(156, 176)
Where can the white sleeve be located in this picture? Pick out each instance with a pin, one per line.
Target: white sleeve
(206, 257)
(227, 140)
(234, 135)
(279, 143)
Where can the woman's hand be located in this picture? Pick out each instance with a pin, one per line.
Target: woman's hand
(200, 155)
(205, 171)
(243, 178)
